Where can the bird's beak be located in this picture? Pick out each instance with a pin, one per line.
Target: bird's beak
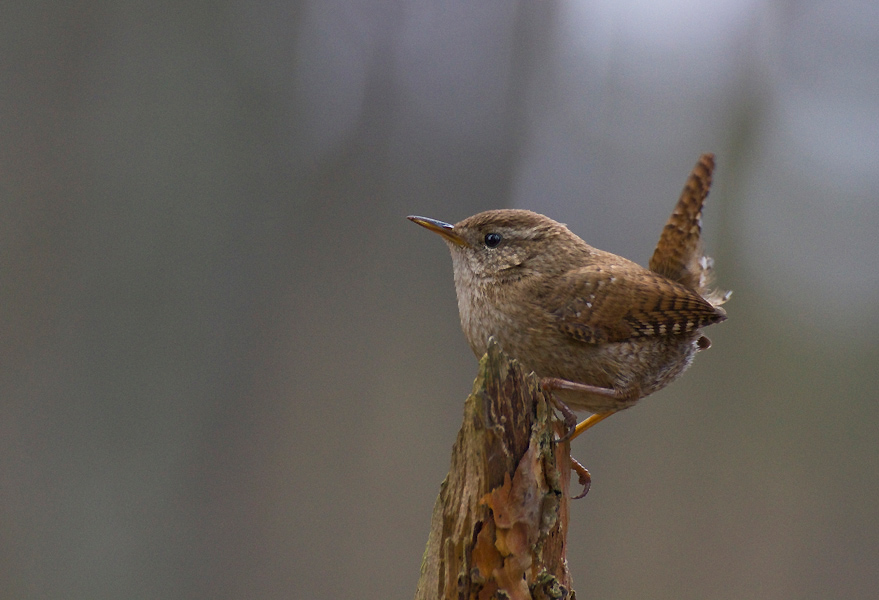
(444, 229)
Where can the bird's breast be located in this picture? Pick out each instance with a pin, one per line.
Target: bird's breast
(483, 317)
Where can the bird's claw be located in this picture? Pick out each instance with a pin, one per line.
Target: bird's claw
(569, 419)
(584, 476)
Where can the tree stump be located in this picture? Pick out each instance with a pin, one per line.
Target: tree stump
(499, 525)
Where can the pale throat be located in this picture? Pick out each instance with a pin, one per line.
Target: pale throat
(478, 307)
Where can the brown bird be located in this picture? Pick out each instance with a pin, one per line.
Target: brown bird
(599, 330)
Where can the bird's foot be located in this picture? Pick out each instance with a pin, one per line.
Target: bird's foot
(583, 474)
(572, 428)
(568, 417)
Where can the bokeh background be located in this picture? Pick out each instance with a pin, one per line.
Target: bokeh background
(230, 368)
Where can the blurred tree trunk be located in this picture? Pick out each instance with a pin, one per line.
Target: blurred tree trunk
(500, 522)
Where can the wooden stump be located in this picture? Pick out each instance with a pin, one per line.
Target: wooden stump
(499, 525)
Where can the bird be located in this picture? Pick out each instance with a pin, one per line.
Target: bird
(600, 331)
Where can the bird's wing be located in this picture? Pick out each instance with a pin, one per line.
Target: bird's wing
(612, 303)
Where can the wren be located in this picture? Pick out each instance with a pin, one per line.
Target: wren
(599, 330)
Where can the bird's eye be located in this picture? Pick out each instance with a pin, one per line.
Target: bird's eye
(492, 240)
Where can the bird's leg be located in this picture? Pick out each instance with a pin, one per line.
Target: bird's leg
(583, 474)
(570, 423)
(572, 428)
(557, 383)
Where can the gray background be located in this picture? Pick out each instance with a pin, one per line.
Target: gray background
(230, 368)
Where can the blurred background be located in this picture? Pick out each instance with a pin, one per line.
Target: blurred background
(230, 368)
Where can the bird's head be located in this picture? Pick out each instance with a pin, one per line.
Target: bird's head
(506, 244)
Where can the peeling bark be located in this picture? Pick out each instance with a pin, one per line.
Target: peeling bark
(499, 525)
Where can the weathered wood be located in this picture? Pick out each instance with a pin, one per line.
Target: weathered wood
(499, 525)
